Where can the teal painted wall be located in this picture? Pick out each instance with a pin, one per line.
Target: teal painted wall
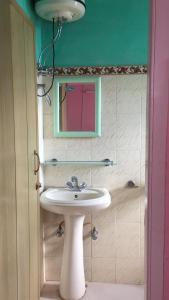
(28, 8)
(112, 32)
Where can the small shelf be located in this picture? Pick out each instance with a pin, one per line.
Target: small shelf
(55, 162)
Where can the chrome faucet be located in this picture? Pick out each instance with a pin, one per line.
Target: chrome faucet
(73, 185)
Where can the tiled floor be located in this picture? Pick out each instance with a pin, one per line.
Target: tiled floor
(99, 291)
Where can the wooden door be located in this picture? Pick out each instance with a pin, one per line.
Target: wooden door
(21, 150)
(8, 253)
(34, 212)
(27, 206)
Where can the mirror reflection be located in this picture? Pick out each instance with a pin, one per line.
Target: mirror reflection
(77, 106)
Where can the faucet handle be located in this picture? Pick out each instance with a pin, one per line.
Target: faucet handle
(83, 186)
(69, 184)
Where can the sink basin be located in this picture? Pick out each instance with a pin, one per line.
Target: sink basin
(74, 206)
(65, 201)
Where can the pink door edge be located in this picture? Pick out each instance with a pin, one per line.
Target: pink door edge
(157, 262)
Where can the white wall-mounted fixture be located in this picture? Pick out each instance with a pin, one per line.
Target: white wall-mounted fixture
(64, 10)
(74, 204)
(58, 11)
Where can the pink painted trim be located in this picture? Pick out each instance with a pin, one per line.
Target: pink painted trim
(158, 156)
(166, 242)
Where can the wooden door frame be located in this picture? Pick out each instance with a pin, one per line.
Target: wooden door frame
(158, 155)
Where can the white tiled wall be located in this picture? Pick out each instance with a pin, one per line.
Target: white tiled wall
(118, 254)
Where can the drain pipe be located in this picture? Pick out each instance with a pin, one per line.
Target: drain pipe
(94, 232)
(60, 230)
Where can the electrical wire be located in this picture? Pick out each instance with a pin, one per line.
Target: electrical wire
(67, 89)
(63, 99)
(54, 38)
(53, 61)
(57, 36)
(48, 98)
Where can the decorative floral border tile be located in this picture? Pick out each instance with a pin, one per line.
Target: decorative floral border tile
(94, 71)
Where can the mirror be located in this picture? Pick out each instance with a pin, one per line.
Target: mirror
(77, 107)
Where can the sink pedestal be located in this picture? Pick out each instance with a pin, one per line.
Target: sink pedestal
(72, 284)
(74, 206)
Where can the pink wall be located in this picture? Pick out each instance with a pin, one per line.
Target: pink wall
(166, 246)
(158, 156)
(81, 107)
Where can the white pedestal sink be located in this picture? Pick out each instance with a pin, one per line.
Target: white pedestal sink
(74, 206)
